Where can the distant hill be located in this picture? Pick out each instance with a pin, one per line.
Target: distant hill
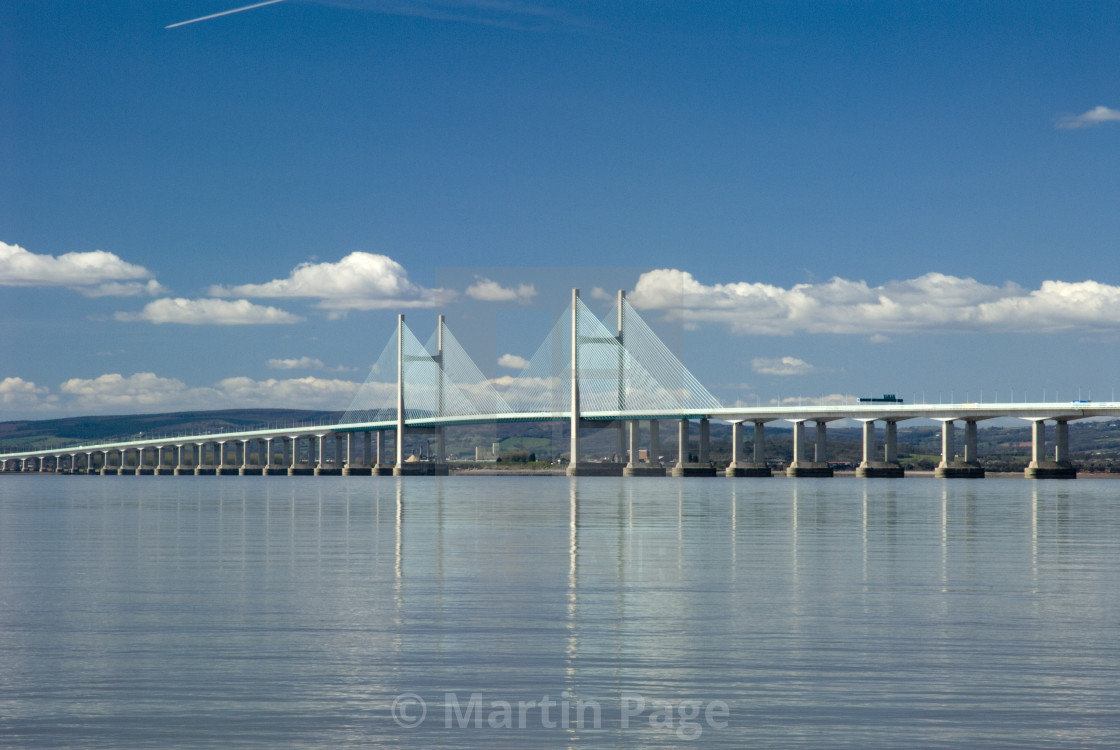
(31, 435)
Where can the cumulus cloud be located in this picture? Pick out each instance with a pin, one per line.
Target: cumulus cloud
(360, 281)
(208, 312)
(1092, 118)
(113, 391)
(931, 303)
(146, 391)
(20, 394)
(95, 273)
(782, 366)
(513, 362)
(600, 293)
(530, 393)
(491, 291)
(303, 363)
(150, 288)
(305, 393)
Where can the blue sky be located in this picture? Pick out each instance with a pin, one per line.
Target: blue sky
(832, 198)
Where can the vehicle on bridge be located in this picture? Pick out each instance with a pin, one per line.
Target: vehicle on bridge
(887, 398)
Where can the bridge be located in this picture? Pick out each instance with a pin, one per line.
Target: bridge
(590, 373)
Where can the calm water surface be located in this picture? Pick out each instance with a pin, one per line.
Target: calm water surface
(441, 612)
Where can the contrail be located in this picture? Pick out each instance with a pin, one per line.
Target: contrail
(223, 13)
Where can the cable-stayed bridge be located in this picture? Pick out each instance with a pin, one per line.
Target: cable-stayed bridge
(590, 373)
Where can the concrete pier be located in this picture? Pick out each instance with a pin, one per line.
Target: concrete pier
(635, 468)
(801, 466)
(362, 467)
(951, 465)
(1042, 468)
(740, 468)
(686, 468)
(321, 468)
(887, 468)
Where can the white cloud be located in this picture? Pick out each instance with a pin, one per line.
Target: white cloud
(491, 291)
(95, 273)
(124, 289)
(782, 366)
(303, 363)
(600, 293)
(208, 312)
(360, 281)
(931, 303)
(20, 394)
(303, 393)
(529, 393)
(513, 362)
(1092, 118)
(145, 391)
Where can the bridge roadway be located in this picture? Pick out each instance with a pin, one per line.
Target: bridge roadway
(209, 453)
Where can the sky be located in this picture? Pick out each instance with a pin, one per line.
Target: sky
(809, 200)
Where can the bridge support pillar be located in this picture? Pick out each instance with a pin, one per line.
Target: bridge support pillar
(1040, 467)
(321, 468)
(359, 467)
(877, 469)
(106, 464)
(738, 467)
(970, 441)
(270, 453)
(178, 469)
(1061, 441)
(380, 469)
(160, 468)
(635, 468)
(890, 442)
(800, 466)
(293, 460)
(222, 469)
(950, 467)
(705, 433)
(682, 443)
(684, 467)
(244, 469)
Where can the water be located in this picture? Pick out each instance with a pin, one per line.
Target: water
(300, 612)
